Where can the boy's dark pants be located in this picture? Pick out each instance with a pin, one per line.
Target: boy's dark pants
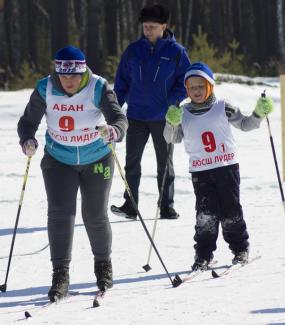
(62, 183)
(218, 200)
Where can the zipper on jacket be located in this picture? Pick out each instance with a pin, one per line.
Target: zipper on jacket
(78, 158)
(156, 73)
(140, 72)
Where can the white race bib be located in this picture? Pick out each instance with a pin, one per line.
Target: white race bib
(73, 120)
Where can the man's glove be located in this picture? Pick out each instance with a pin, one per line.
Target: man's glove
(264, 106)
(108, 133)
(29, 147)
(174, 115)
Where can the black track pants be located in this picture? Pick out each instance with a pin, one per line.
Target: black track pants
(218, 201)
(62, 182)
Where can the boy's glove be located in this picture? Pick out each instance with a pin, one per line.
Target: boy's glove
(264, 106)
(29, 147)
(174, 115)
(108, 133)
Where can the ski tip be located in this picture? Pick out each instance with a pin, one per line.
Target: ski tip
(27, 314)
(146, 267)
(96, 303)
(3, 287)
(215, 274)
(177, 281)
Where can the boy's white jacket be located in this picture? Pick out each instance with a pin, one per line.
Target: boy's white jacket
(233, 116)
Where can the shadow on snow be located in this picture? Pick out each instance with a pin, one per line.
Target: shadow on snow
(74, 289)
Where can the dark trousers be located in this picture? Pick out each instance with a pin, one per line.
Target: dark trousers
(137, 136)
(218, 201)
(62, 183)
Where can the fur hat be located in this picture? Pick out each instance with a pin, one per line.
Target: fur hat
(156, 13)
(70, 60)
(200, 69)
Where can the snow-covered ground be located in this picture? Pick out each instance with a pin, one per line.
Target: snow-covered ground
(252, 295)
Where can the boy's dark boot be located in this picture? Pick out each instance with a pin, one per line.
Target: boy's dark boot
(201, 263)
(104, 275)
(60, 284)
(241, 257)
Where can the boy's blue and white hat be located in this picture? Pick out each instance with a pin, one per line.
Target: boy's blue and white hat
(70, 60)
(200, 69)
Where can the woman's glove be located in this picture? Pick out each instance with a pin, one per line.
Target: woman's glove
(174, 115)
(29, 147)
(108, 133)
(264, 106)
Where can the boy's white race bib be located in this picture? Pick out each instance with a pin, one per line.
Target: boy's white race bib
(208, 139)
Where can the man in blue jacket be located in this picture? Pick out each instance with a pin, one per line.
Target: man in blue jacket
(150, 79)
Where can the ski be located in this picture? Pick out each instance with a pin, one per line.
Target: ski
(29, 314)
(194, 274)
(100, 294)
(234, 267)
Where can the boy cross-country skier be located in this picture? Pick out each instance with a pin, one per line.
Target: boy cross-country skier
(204, 124)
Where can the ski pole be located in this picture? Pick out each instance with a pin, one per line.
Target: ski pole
(263, 95)
(3, 287)
(177, 280)
(147, 266)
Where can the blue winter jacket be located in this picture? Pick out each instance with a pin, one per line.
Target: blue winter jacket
(150, 78)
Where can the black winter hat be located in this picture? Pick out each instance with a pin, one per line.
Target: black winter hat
(155, 13)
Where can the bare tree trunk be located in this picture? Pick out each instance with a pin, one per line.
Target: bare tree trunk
(40, 36)
(3, 44)
(130, 17)
(13, 29)
(58, 12)
(280, 29)
(110, 8)
(139, 30)
(124, 21)
(82, 24)
(118, 28)
(4, 49)
(188, 23)
(95, 51)
(73, 33)
(179, 21)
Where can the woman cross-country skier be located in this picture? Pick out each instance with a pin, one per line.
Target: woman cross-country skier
(82, 116)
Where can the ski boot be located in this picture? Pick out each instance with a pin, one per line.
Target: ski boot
(241, 257)
(60, 284)
(202, 263)
(104, 275)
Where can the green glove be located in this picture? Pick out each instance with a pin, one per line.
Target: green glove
(264, 106)
(174, 115)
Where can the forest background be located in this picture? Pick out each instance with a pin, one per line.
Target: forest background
(242, 37)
